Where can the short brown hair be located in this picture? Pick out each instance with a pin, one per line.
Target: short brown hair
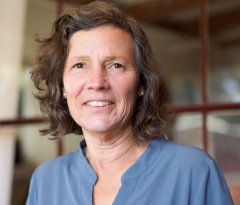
(151, 109)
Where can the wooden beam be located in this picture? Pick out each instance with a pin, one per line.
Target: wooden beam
(224, 20)
(229, 43)
(80, 2)
(157, 10)
(190, 28)
(210, 107)
(176, 109)
(22, 121)
(217, 23)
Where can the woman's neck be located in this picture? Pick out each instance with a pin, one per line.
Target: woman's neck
(111, 152)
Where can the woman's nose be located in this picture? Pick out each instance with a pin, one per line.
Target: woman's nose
(98, 79)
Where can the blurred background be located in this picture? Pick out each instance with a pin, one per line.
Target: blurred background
(197, 44)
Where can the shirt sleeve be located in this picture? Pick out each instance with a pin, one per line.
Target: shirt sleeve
(32, 194)
(213, 188)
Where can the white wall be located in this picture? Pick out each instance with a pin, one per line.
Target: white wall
(11, 40)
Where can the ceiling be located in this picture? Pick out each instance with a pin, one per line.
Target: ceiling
(182, 16)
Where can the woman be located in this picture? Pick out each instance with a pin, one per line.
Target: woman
(97, 76)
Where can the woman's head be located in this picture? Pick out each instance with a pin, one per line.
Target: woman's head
(151, 108)
(100, 81)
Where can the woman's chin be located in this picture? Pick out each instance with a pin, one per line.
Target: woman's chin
(99, 127)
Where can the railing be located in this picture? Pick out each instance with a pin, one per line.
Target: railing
(203, 108)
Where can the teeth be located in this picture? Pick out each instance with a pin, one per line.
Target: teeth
(98, 104)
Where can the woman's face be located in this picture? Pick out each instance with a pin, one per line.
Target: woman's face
(101, 79)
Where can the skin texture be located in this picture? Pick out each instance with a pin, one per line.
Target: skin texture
(100, 68)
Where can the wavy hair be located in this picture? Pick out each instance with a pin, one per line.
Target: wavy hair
(151, 109)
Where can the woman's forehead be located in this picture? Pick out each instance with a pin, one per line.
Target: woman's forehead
(108, 39)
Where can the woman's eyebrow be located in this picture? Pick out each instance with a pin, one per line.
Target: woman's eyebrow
(78, 58)
(112, 58)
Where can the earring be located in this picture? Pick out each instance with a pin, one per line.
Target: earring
(141, 93)
(64, 95)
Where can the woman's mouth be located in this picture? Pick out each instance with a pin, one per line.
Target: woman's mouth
(98, 103)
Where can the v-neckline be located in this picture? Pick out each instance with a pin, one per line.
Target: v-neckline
(139, 167)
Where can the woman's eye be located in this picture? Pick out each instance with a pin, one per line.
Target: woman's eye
(118, 65)
(78, 65)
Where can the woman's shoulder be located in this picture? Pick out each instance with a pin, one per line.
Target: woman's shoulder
(50, 181)
(190, 151)
(62, 163)
(188, 162)
(185, 155)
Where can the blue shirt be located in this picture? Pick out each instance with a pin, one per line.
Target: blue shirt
(166, 173)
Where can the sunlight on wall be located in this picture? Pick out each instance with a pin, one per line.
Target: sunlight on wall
(11, 41)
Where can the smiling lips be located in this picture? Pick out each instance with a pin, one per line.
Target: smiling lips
(98, 103)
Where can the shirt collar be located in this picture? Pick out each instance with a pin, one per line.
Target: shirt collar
(85, 168)
(145, 160)
(138, 168)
